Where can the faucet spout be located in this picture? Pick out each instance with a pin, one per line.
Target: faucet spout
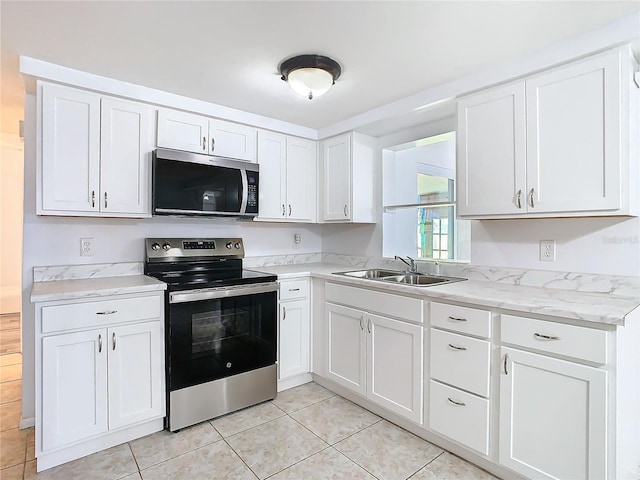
(411, 263)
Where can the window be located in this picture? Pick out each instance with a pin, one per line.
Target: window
(419, 217)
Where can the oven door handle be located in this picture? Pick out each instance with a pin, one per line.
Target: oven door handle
(223, 292)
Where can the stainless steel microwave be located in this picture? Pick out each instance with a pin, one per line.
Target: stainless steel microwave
(190, 184)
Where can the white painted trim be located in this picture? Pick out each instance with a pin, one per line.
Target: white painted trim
(295, 381)
(27, 422)
(619, 32)
(33, 68)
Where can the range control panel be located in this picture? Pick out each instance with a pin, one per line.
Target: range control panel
(168, 249)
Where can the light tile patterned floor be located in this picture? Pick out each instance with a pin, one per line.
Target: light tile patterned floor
(306, 433)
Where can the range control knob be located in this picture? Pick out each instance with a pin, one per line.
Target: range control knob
(155, 246)
(237, 245)
(166, 246)
(229, 245)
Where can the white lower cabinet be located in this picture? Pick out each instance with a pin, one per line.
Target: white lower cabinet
(377, 357)
(100, 376)
(553, 417)
(294, 329)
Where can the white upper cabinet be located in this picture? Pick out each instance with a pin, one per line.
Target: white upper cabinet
(348, 166)
(557, 143)
(287, 178)
(96, 155)
(198, 134)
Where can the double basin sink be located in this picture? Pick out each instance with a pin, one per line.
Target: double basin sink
(392, 276)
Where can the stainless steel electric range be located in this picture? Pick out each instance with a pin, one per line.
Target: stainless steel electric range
(220, 327)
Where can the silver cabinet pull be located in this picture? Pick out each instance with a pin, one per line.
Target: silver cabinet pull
(294, 289)
(107, 312)
(283, 210)
(289, 209)
(459, 404)
(457, 319)
(204, 143)
(345, 210)
(362, 323)
(284, 312)
(100, 343)
(518, 195)
(213, 144)
(506, 356)
(369, 325)
(93, 198)
(455, 347)
(113, 338)
(545, 337)
(531, 198)
(106, 200)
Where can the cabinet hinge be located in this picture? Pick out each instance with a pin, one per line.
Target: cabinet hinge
(636, 79)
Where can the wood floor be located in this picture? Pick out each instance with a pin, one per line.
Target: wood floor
(10, 333)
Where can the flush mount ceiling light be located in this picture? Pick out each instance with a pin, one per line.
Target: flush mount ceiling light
(310, 75)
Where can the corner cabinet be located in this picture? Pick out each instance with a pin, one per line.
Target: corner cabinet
(348, 164)
(287, 178)
(99, 374)
(96, 152)
(195, 133)
(559, 143)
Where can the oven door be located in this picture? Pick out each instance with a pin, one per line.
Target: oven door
(219, 332)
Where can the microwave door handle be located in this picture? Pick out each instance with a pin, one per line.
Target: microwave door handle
(245, 191)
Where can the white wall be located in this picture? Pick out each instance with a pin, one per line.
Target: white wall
(11, 167)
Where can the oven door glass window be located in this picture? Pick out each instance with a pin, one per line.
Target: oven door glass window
(212, 339)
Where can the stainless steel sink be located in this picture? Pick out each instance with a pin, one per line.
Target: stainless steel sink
(371, 274)
(391, 276)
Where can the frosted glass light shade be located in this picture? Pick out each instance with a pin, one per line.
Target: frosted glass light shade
(310, 82)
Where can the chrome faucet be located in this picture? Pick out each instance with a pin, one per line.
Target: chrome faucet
(411, 263)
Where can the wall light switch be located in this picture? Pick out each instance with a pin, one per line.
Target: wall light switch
(547, 250)
(86, 247)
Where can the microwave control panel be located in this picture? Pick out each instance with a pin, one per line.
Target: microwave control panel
(252, 196)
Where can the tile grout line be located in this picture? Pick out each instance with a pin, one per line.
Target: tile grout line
(356, 463)
(134, 456)
(428, 463)
(240, 457)
(299, 461)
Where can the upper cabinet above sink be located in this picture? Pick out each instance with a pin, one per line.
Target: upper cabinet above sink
(559, 143)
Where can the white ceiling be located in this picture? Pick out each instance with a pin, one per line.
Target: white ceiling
(228, 52)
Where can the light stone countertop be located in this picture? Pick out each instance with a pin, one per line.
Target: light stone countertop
(600, 308)
(94, 287)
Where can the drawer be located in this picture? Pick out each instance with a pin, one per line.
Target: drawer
(460, 416)
(461, 361)
(467, 320)
(582, 343)
(294, 289)
(373, 301)
(102, 312)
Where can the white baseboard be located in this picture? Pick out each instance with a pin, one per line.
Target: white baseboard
(27, 422)
(291, 382)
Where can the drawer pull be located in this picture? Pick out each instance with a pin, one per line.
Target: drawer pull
(455, 347)
(459, 404)
(545, 337)
(456, 319)
(107, 312)
(294, 289)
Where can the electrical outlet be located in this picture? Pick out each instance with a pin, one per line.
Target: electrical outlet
(297, 240)
(86, 247)
(547, 250)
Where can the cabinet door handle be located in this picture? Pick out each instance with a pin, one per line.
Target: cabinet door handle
(506, 357)
(213, 144)
(345, 210)
(113, 338)
(362, 323)
(106, 200)
(204, 143)
(283, 210)
(289, 209)
(100, 343)
(459, 404)
(545, 337)
(369, 325)
(518, 195)
(284, 312)
(294, 289)
(457, 319)
(455, 347)
(107, 312)
(93, 198)
(531, 198)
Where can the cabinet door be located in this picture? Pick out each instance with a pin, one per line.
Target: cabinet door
(294, 338)
(70, 149)
(573, 137)
(394, 362)
(272, 157)
(336, 166)
(301, 179)
(74, 387)
(553, 417)
(183, 131)
(346, 347)
(232, 140)
(125, 151)
(491, 153)
(136, 373)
